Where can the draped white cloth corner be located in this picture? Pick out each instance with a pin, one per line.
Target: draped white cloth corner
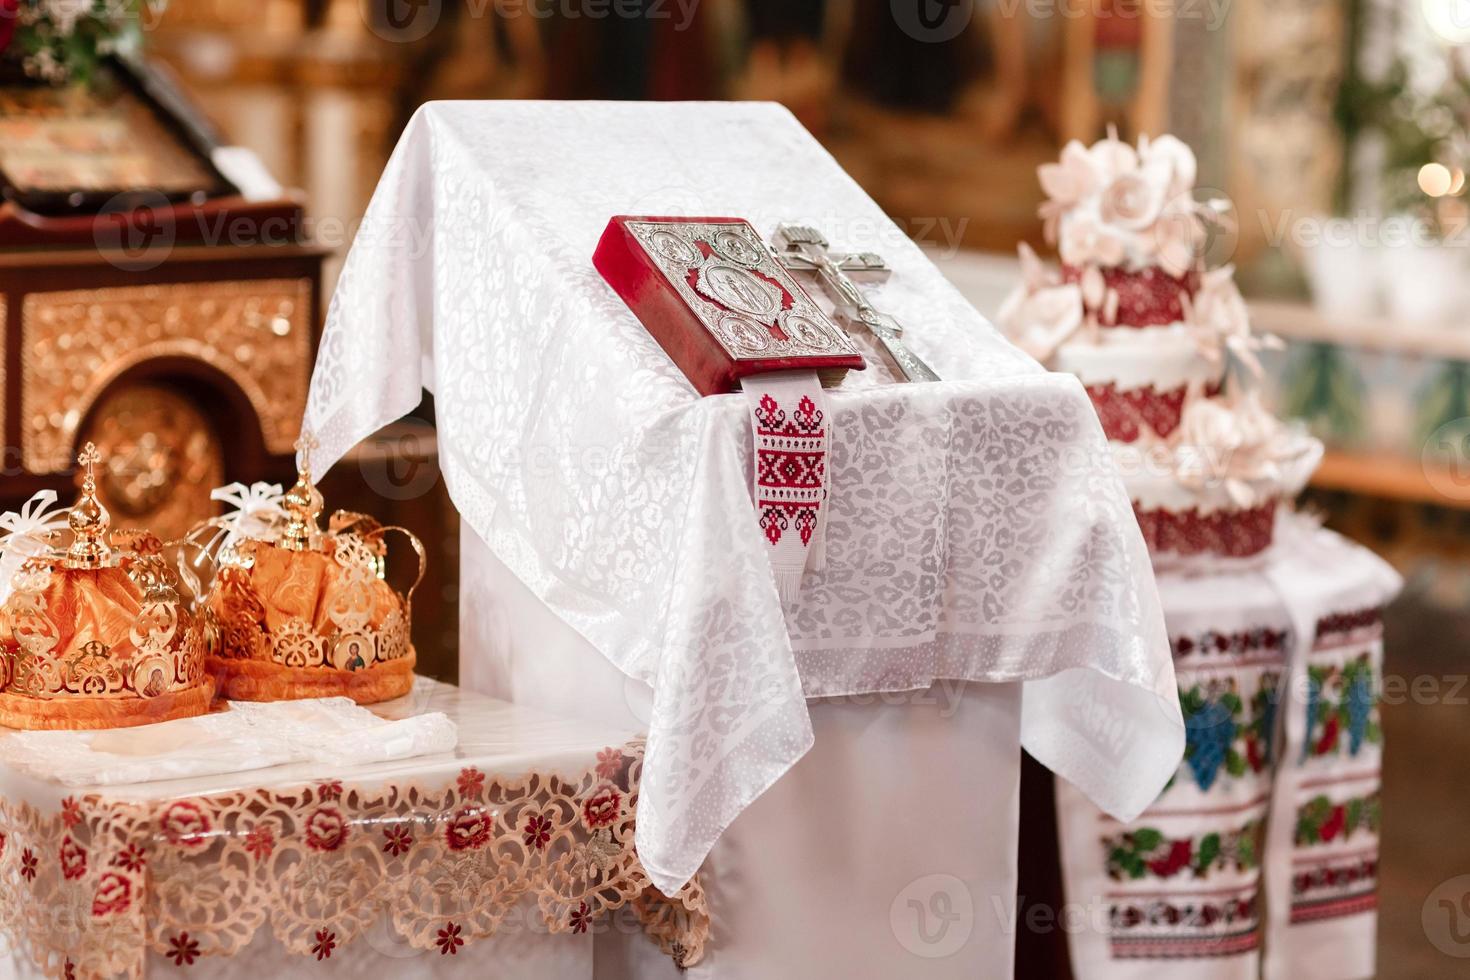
(976, 529)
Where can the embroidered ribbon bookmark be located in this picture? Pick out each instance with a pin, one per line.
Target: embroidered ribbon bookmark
(789, 418)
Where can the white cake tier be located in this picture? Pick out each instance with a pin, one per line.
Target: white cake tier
(1137, 357)
(1151, 474)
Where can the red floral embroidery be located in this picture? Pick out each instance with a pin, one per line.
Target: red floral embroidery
(1173, 862)
(330, 790)
(397, 841)
(182, 950)
(71, 812)
(468, 829)
(538, 831)
(73, 859)
(114, 894)
(1328, 741)
(326, 830)
(609, 764)
(132, 858)
(184, 824)
(69, 971)
(260, 842)
(580, 918)
(325, 943)
(602, 809)
(28, 864)
(3, 839)
(449, 940)
(471, 782)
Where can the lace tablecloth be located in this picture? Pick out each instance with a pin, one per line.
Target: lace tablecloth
(977, 530)
(529, 810)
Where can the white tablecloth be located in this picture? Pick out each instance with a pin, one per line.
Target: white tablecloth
(888, 850)
(977, 530)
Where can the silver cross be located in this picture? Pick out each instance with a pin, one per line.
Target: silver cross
(803, 249)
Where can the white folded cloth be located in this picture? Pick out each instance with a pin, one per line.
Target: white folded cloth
(245, 737)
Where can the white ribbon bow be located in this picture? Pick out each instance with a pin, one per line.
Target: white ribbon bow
(26, 534)
(255, 510)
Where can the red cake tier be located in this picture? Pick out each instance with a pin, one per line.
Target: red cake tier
(1147, 297)
(1228, 533)
(1125, 412)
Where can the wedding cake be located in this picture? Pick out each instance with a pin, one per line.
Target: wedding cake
(1162, 344)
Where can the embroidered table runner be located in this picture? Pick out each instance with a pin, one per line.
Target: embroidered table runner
(1267, 836)
(529, 808)
(975, 527)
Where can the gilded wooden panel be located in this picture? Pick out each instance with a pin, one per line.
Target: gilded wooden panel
(75, 343)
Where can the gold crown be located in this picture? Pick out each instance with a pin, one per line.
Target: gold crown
(98, 635)
(296, 612)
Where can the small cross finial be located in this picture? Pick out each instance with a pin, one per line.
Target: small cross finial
(88, 519)
(306, 442)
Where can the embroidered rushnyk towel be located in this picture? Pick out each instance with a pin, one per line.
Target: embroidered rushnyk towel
(1260, 857)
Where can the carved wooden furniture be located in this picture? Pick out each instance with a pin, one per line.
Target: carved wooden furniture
(175, 329)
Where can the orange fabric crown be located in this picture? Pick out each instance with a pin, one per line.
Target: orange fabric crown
(299, 613)
(98, 636)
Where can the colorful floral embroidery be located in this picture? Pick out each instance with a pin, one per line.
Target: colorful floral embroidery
(1215, 735)
(1331, 891)
(330, 790)
(1263, 639)
(1185, 927)
(1320, 821)
(325, 943)
(1147, 852)
(1341, 699)
(1370, 618)
(580, 918)
(28, 864)
(71, 812)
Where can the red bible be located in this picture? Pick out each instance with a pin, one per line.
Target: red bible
(718, 302)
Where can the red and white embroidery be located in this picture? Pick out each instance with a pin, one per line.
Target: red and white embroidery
(789, 419)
